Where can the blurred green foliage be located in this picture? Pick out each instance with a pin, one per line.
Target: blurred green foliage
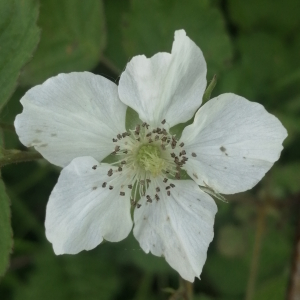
(252, 46)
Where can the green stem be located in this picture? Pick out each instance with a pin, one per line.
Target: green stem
(110, 65)
(260, 227)
(184, 292)
(209, 89)
(16, 156)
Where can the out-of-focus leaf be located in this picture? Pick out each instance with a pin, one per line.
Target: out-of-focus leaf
(274, 289)
(5, 229)
(114, 11)
(269, 14)
(149, 28)
(78, 277)
(231, 242)
(72, 39)
(285, 179)
(19, 36)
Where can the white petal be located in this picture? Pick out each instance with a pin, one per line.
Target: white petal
(178, 227)
(71, 115)
(236, 142)
(81, 213)
(166, 86)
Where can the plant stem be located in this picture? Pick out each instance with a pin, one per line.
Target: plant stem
(16, 156)
(260, 227)
(110, 65)
(184, 292)
(209, 89)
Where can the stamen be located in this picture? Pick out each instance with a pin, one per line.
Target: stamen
(163, 121)
(149, 199)
(168, 193)
(104, 184)
(114, 140)
(94, 167)
(120, 169)
(165, 180)
(157, 189)
(111, 187)
(130, 186)
(156, 197)
(122, 193)
(181, 144)
(194, 154)
(119, 136)
(110, 172)
(172, 185)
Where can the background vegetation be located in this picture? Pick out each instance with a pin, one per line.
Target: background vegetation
(252, 46)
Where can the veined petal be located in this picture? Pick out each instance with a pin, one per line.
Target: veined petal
(81, 212)
(234, 141)
(166, 86)
(178, 227)
(71, 115)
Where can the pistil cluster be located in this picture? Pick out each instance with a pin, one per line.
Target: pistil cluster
(148, 160)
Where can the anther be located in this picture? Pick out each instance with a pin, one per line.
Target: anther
(157, 189)
(150, 141)
(163, 121)
(117, 148)
(181, 144)
(154, 130)
(138, 205)
(114, 140)
(194, 154)
(168, 187)
(149, 199)
(94, 167)
(110, 172)
(164, 139)
(144, 124)
(183, 152)
(163, 147)
(111, 187)
(177, 175)
(157, 137)
(158, 130)
(148, 134)
(148, 180)
(120, 169)
(156, 197)
(168, 193)
(125, 152)
(122, 193)
(137, 129)
(130, 186)
(124, 134)
(119, 136)
(172, 185)
(165, 180)
(123, 162)
(173, 155)
(104, 184)
(164, 132)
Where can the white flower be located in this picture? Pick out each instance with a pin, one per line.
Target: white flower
(75, 120)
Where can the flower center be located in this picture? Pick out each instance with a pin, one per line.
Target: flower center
(149, 158)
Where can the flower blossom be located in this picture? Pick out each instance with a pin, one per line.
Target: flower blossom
(76, 120)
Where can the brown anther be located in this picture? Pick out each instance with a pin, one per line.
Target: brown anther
(123, 162)
(168, 193)
(184, 158)
(173, 144)
(163, 121)
(163, 147)
(130, 186)
(148, 134)
(104, 184)
(164, 132)
(148, 180)
(164, 139)
(181, 144)
(122, 193)
(165, 180)
(110, 172)
(120, 169)
(173, 155)
(168, 187)
(119, 136)
(149, 199)
(172, 185)
(138, 205)
(114, 153)
(117, 148)
(154, 130)
(111, 187)
(183, 152)
(124, 134)
(125, 152)
(144, 124)
(114, 140)
(156, 197)
(177, 175)
(156, 137)
(194, 154)
(94, 167)
(150, 141)
(158, 130)
(157, 189)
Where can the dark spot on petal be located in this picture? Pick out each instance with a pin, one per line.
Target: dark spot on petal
(38, 131)
(225, 168)
(168, 218)
(244, 157)
(94, 187)
(43, 145)
(36, 141)
(222, 148)
(53, 134)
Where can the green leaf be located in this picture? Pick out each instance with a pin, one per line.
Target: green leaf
(19, 36)
(5, 229)
(72, 39)
(150, 25)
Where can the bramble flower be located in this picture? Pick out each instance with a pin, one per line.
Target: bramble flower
(76, 120)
